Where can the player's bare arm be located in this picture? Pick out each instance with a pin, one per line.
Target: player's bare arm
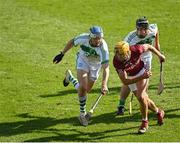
(157, 45)
(104, 87)
(68, 46)
(155, 51)
(60, 56)
(126, 81)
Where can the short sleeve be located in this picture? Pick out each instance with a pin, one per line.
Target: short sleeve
(104, 53)
(80, 39)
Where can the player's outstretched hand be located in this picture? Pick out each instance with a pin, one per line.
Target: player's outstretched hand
(104, 90)
(58, 58)
(147, 74)
(162, 58)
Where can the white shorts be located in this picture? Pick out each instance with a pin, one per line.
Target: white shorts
(147, 58)
(133, 86)
(93, 69)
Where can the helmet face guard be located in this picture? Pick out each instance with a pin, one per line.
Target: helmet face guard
(96, 31)
(142, 22)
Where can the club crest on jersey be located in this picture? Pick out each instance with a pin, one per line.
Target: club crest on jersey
(89, 51)
(146, 41)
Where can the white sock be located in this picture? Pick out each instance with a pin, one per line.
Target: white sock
(76, 86)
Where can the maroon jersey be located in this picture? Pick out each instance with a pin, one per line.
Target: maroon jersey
(134, 64)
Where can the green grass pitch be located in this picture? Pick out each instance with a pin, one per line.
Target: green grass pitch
(34, 105)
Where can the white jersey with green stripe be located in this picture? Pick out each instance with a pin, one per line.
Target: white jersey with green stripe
(91, 54)
(133, 39)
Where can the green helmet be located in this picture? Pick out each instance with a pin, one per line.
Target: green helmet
(142, 22)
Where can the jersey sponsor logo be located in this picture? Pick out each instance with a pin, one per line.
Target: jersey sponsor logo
(147, 40)
(89, 51)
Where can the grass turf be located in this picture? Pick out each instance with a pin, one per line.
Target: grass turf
(34, 106)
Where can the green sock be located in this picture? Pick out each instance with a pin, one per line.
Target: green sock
(121, 102)
(82, 103)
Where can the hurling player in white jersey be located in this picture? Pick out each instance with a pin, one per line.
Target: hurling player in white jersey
(92, 55)
(145, 33)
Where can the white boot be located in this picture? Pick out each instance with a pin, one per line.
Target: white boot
(66, 79)
(82, 119)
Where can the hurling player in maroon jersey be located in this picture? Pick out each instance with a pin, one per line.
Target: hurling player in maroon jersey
(133, 74)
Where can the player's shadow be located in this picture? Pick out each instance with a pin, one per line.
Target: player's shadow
(32, 123)
(80, 136)
(45, 125)
(73, 91)
(136, 117)
(166, 86)
(170, 115)
(60, 93)
(112, 90)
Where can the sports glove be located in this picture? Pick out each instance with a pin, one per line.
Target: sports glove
(58, 58)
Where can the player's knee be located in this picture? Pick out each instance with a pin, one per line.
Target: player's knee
(83, 88)
(142, 99)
